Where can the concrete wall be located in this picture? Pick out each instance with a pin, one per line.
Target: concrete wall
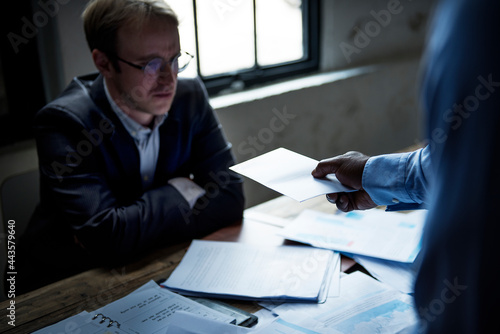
(359, 32)
(374, 112)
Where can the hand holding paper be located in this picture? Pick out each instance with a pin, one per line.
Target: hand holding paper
(348, 168)
(289, 173)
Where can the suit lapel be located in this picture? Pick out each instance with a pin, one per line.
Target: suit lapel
(122, 144)
(169, 150)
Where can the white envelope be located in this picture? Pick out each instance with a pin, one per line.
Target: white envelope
(289, 173)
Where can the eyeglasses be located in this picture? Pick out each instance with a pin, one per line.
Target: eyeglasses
(156, 65)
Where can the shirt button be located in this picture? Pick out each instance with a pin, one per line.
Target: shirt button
(395, 200)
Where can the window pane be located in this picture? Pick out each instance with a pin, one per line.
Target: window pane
(225, 36)
(184, 11)
(279, 31)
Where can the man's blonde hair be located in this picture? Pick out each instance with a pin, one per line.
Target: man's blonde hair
(103, 18)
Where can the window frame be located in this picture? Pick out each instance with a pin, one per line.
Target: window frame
(238, 80)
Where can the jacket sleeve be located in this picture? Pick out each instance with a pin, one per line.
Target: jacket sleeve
(208, 164)
(398, 180)
(76, 168)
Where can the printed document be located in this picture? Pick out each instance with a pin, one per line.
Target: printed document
(186, 323)
(364, 306)
(399, 275)
(386, 235)
(242, 271)
(289, 173)
(149, 308)
(83, 322)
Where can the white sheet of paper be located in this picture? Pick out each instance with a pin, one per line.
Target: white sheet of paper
(376, 233)
(243, 271)
(186, 323)
(399, 275)
(364, 306)
(149, 309)
(333, 291)
(289, 173)
(265, 218)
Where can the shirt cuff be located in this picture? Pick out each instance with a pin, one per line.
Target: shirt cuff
(188, 189)
(384, 180)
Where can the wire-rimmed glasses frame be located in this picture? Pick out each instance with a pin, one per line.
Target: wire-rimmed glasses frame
(153, 68)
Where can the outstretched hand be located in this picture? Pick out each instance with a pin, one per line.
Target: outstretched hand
(348, 169)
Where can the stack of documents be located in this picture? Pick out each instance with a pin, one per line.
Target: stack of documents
(364, 306)
(386, 244)
(240, 271)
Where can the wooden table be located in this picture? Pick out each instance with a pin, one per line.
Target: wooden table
(95, 288)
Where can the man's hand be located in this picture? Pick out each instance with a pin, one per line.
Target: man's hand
(349, 171)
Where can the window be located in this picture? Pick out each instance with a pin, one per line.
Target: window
(239, 43)
(236, 44)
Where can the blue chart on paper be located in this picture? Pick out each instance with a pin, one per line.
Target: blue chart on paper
(376, 319)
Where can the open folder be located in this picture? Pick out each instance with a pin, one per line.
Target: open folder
(289, 173)
(220, 269)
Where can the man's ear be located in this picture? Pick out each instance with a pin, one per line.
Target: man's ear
(102, 62)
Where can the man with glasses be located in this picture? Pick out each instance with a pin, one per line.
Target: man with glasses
(131, 158)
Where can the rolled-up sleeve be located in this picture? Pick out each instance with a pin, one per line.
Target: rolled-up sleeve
(398, 180)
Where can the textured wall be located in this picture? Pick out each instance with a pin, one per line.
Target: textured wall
(375, 113)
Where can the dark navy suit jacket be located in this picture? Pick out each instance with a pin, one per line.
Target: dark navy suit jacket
(91, 189)
(457, 287)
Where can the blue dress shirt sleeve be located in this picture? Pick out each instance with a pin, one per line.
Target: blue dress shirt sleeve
(398, 180)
